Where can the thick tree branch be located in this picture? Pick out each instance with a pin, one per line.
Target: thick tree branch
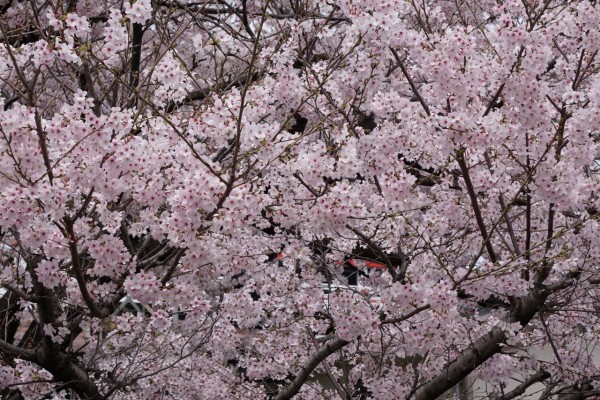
(63, 369)
(18, 292)
(344, 395)
(539, 376)
(137, 33)
(579, 391)
(485, 347)
(9, 321)
(480, 351)
(293, 388)
(18, 352)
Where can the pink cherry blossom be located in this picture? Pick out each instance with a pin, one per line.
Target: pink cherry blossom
(320, 199)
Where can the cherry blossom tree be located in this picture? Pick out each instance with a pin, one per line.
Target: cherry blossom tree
(167, 151)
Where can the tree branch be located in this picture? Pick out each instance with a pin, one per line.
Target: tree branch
(494, 100)
(485, 347)
(16, 351)
(137, 33)
(406, 316)
(539, 376)
(306, 185)
(43, 147)
(336, 384)
(411, 82)
(391, 269)
(293, 388)
(85, 294)
(460, 158)
(18, 292)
